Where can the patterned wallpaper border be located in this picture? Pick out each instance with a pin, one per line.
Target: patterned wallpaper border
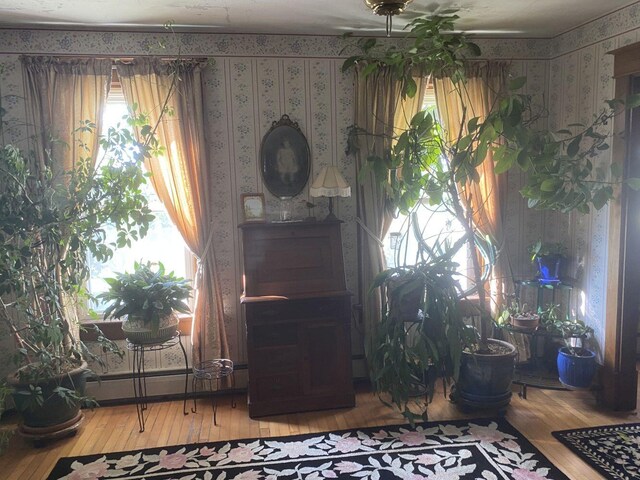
(67, 42)
(597, 30)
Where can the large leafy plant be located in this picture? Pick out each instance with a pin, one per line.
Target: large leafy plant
(422, 335)
(147, 293)
(424, 163)
(49, 223)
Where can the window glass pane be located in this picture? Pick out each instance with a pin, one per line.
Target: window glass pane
(432, 225)
(163, 243)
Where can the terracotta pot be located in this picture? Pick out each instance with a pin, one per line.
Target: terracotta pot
(525, 323)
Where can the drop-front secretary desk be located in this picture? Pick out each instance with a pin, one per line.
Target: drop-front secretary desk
(297, 313)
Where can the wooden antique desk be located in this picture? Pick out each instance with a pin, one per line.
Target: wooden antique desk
(297, 313)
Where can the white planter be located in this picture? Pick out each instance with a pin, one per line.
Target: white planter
(137, 331)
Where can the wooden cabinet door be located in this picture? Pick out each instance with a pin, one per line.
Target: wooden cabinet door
(326, 357)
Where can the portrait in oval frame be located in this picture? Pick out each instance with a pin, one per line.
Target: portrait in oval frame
(285, 159)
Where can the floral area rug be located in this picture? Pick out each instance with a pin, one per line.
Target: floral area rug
(486, 449)
(613, 450)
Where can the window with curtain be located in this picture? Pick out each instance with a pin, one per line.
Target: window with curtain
(163, 242)
(433, 224)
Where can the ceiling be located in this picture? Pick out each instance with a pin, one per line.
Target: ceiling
(509, 18)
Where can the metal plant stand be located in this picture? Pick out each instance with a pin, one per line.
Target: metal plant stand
(209, 371)
(139, 375)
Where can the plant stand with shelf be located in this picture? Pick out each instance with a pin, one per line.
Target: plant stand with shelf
(140, 377)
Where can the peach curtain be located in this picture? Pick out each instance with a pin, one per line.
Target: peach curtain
(181, 177)
(61, 95)
(65, 100)
(380, 111)
(475, 98)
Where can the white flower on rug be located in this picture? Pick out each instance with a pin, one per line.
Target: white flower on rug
(451, 431)
(90, 471)
(428, 459)
(248, 475)
(348, 467)
(128, 461)
(297, 449)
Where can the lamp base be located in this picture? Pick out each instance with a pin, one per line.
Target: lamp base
(330, 218)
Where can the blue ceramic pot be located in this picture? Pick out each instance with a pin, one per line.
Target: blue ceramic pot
(576, 371)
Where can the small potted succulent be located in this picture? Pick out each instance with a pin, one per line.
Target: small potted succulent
(149, 298)
(549, 258)
(519, 318)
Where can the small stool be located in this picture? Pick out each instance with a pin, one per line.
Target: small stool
(213, 370)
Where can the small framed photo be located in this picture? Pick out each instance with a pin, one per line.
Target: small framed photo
(253, 207)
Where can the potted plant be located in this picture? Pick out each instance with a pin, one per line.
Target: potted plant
(149, 298)
(519, 318)
(424, 164)
(549, 258)
(49, 223)
(421, 335)
(576, 364)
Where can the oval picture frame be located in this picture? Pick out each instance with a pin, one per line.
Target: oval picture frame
(285, 159)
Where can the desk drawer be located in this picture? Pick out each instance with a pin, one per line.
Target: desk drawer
(297, 309)
(276, 386)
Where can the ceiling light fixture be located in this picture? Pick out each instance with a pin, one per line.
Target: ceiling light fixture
(388, 8)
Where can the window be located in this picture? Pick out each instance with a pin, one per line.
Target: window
(163, 242)
(433, 224)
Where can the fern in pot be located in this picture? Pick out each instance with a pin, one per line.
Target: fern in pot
(150, 298)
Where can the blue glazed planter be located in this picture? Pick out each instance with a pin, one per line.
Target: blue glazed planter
(549, 268)
(576, 371)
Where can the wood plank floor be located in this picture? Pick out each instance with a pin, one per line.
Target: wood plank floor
(110, 429)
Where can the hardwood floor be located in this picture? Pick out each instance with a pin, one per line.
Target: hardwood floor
(110, 429)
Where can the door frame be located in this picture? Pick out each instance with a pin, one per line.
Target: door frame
(620, 378)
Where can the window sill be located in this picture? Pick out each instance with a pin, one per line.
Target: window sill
(113, 329)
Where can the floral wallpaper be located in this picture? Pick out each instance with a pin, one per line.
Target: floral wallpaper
(254, 79)
(580, 79)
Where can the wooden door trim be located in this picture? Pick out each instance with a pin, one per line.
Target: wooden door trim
(619, 374)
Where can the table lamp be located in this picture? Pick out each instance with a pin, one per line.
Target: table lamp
(330, 183)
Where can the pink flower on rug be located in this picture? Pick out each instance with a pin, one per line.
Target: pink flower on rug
(206, 451)
(486, 434)
(348, 467)
(248, 475)
(520, 474)
(428, 459)
(240, 454)
(172, 460)
(91, 471)
(412, 439)
(347, 445)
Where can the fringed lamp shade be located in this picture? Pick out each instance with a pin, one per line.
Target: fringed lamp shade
(330, 183)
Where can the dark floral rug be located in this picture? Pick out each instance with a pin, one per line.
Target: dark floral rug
(486, 449)
(613, 450)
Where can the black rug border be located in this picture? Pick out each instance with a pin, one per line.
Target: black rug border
(560, 435)
(64, 463)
